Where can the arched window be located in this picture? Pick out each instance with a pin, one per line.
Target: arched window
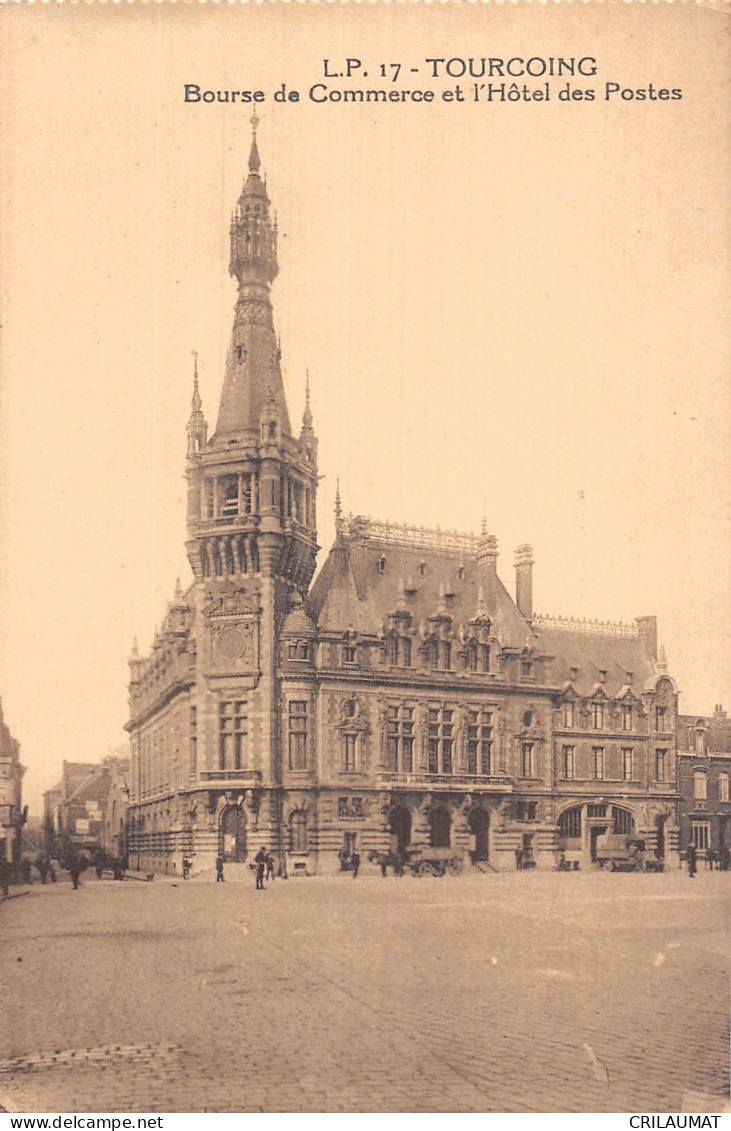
(298, 831)
(700, 785)
(569, 823)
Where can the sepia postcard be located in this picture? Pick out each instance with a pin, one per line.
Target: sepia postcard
(365, 655)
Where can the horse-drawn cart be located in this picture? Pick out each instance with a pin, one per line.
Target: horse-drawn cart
(435, 861)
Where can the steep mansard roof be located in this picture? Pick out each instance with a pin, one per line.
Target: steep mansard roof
(366, 577)
(364, 580)
(591, 654)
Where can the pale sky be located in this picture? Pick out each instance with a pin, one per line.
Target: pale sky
(516, 308)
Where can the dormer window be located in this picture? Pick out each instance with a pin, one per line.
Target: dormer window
(272, 429)
(527, 718)
(699, 744)
(627, 718)
(299, 650)
(478, 657)
(602, 676)
(568, 714)
(526, 666)
(349, 654)
(597, 715)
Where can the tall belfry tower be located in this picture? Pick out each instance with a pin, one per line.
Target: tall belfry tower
(251, 541)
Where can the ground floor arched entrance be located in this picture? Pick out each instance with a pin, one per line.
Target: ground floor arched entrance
(233, 835)
(479, 821)
(400, 828)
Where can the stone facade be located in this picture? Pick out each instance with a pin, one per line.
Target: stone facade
(405, 701)
(704, 767)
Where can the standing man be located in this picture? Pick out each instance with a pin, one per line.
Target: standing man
(75, 871)
(692, 860)
(219, 869)
(270, 866)
(355, 862)
(261, 862)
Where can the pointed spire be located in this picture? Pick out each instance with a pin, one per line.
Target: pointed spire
(307, 414)
(196, 402)
(254, 158)
(253, 264)
(338, 511)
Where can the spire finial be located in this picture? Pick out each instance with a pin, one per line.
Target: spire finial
(338, 510)
(254, 159)
(196, 401)
(307, 414)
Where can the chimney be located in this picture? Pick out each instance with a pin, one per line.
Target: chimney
(524, 580)
(487, 563)
(719, 712)
(647, 628)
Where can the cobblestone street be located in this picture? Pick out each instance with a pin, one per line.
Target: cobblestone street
(483, 993)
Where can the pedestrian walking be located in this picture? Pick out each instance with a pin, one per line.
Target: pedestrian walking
(724, 858)
(261, 862)
(4, 875)
(186, 868)
(692, 859)
(219, 869)
(270, 866)
(355, 862)
(75, 872)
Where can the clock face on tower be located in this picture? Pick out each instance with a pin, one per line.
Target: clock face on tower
(232, 643)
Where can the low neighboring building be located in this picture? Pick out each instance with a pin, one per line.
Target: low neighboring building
(12, 815)
(114, 823)
(704, 766)
(74, 809)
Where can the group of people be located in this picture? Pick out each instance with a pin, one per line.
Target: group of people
(721, 860)
(263, 867)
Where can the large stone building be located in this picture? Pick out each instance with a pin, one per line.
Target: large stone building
(405, 700)
(12, 813)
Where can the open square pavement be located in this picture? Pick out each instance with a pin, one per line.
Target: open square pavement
(480, 993)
